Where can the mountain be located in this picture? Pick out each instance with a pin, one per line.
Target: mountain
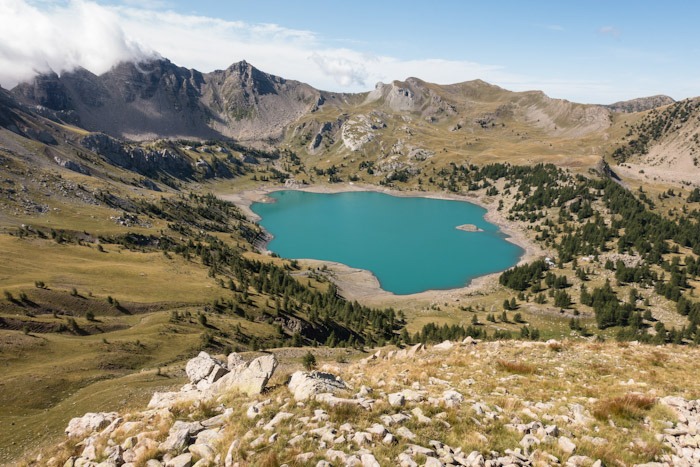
(641, 104)
(157, 99)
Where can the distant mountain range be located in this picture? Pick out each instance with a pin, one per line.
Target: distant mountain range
(396, 126)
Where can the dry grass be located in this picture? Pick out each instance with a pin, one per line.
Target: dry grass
(628, 407)
(519, 368)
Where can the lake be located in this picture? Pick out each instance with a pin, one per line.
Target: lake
(410, 244)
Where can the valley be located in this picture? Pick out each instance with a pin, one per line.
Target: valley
(128, 244)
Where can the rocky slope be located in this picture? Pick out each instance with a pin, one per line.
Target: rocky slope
(158, 99)
(468, 404)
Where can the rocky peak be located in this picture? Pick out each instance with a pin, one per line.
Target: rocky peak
(46, 90)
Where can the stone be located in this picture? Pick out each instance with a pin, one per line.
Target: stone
(468, 341)
(415, 450)
(412, 396)
(362, 438)
(180, 435)
(452, 398)
(405, 460)
(413, 351)
(389, 439)
(307, 385)
(89, 423)
(528, 441)
(333, 456)
(234, 360)
(161, 400)
(210, 436)
(276, 420)
(420, 417)
(566, 445)
(377, 430)
(444, 345)
(249, 379)
(199, 367)
(368, 460)
(216, 374)
(231, 453)
(183, 460)
(578, 461)
(433, 462)
(405, 433)
(396, 399)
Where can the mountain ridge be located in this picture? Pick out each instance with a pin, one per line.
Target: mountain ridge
(239, 102)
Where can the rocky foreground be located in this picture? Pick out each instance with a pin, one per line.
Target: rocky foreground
(452, 404)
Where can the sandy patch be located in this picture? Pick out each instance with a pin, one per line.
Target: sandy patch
(362, 285)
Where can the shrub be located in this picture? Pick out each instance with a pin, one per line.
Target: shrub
(309, 361)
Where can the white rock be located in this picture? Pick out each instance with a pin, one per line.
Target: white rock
(280, 417)
(566, 445)
(368, 460)
(432, 462)
(199, 367)
(89, 423)
(183, 460)
(420, 417)
(444, 345)
(405, 433)
(232, 450)
(396, 399)
(234, 360)
(249, 378)
(203, 451)
(452, 398)
(377, 430)
(362, 438)
(333, 456)
(406, 461)
(389, 439)
(307, 385)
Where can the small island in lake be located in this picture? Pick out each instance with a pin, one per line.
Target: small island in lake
(469, 228)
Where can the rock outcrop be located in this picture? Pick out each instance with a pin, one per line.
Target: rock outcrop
(305, 385)
(210, 378)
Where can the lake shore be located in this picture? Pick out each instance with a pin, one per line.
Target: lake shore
(362, 285)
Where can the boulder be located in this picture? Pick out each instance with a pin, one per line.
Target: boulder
(249, 378)
(234, 360)
(305, 385)
(89, 423)
(445, 345)
(566, 445)
(201, 366)
(396, 399)
(183, 460)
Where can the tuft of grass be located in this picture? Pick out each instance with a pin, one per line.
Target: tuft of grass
(555, 346)
(519, 368)
(628, 407)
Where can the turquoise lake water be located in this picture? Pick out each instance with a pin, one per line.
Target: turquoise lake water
(410, 244)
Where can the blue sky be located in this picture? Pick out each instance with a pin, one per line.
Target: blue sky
(593, 51)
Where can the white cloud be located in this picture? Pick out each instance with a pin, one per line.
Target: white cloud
(66, 34)
(60, 37)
